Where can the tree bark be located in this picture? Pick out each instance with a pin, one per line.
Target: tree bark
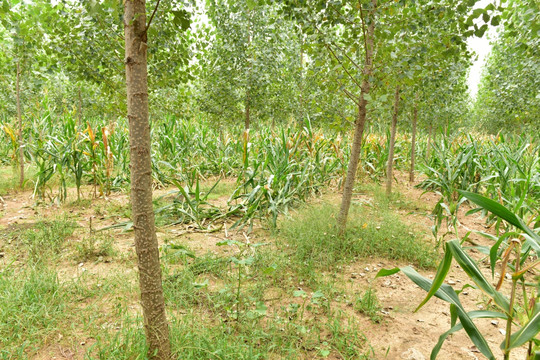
(146, 245)
(301, 87)
(247, 105)
(413, 140)
(358, 131)
(79, 113)
(430, 140)
(247, 120)
(390, 165)
(19, 117)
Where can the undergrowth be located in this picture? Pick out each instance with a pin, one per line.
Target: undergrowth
(313, 237)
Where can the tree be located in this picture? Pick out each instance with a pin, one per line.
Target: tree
(368, 33)
(19, 20)
(153, 303)
(252, 65)
(508, 96)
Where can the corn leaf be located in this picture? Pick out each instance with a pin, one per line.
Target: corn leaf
(479, 314)
(442, 271)
(527, 332)
(471, 269)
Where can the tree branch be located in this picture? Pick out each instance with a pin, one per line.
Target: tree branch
(363, 30)
(152, 16)
(351, 96)
(343, 66)
(347, 56)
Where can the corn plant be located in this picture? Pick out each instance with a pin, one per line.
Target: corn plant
(13, 147)
(514, 178)
(282, 170)
(76, 164)
(44, 162)
(518, 252)
(446, 174)
(190, 204)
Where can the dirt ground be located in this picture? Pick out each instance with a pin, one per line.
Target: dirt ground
(403, 334)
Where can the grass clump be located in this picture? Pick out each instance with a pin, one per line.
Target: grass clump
(369, 305)
(41, 240)
(313, 235)
(94, 247)
(31, 308)
(9, 179)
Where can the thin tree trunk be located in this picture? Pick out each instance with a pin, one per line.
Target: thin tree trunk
(247, 119)
(359, 130)
(79, 113)
(428, 155)
(413, 140)
(301, 82)
(146, 245)
(19, 117)
(390, 165)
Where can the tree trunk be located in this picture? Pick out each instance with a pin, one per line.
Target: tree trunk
(79, 113)
(247, 119)
(413, 140)
(146, 245)
(358, 131)
(430, 136)
(247, 105)
(390, 165)
(19, 117)
(301, 122)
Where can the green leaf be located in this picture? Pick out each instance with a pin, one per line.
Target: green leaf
(261, 308)
(471, 269)
(479, 314)
(197, 285)
(387, 272)
(501, 212)
(251, 4)
(496, 20)
(324, 352)
(181, 19)
(527, 332)
(442, 271)
(476, 13)
(481, 31)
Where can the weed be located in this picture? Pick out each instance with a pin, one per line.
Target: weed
(313, 236)
(43, 239)
(31, 308)
(94, 246)
(369, 305)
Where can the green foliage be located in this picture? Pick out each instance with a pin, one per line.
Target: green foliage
(508, 96)
(94, 247)
(41, 241)
(505, 168)
(253, 64)
(313, 236)
(369, 304)
(31, 308)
